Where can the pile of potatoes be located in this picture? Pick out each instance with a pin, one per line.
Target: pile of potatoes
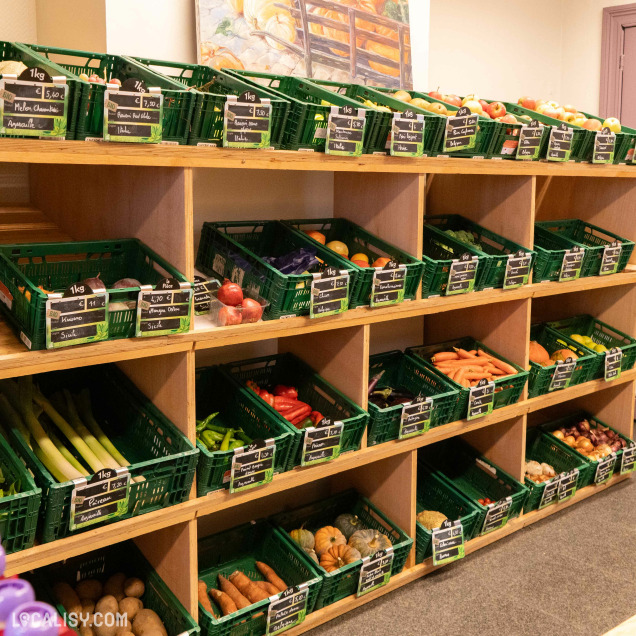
(118, 595)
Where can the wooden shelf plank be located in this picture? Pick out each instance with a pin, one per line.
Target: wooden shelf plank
(96, 153)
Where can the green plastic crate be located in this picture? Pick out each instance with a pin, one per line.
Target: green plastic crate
(624, 141)
(55, 266)
(213, 85)
(123, 557)
(438, 251)
(13, 51)
(157, 450)
(542, 447)
(601, 333)
(357, 240)
(344, 582)
(306, 125)
(550, 249)
(540, 377)
(234, 250)
(594, 238)
(322, 396)
(572, 420)
(178, 102)
(239, 549)
(494, 247)
(507, 389)
(238, 409)
(475, 476)
(19, 512)
(435, 492)
(403, 371)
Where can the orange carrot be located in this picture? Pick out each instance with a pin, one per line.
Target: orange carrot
(495, 371)
(477, 376)
(467, 362)
(452, 374)
(473, 352)
(462, 353)
(445, 355)
(459, 376)
(504, 366)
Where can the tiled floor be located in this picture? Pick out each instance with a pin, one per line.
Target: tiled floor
(573, 574)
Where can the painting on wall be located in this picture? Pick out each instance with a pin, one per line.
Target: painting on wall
(362, 41)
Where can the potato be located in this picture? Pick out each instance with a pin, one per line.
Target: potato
(134, 587)
(65, 595)
(88, 605)
(115, 586)
(147, 620)
(154, 631)
(124, 625)
(90, 589)
(105, 626)
(130, 606)
(85, 630)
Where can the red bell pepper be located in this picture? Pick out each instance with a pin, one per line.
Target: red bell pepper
(303, 410)
(253, 386)
(299, 418)
(284, 403)
(316, 417)
(268, 397)
(286, 391)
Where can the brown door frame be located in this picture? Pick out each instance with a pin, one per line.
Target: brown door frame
(615, 19)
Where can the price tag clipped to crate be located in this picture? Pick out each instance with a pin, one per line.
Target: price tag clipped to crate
(461, 131)
(628, 459)
(407, 134)
(133, 113)
(78, 316)
(462, 275)
(164, 310)
(252, 465)
(247, 122)
(562, 375)
(572, 264)
(202, 294)
(604, 146)
(448, 542)
(322, 442)
(605, 469)
(613, 364)
(530, 137)
(560, 143)
(103, 496)
(345, 131)
(611, 257)
(497, 515)
(33, 104)
(329, 293)
(567, 485)
(517, 270)
(481, 399)
(375, 571)
(388, 285)
(416, 417)
(288, 609)
(550, 492)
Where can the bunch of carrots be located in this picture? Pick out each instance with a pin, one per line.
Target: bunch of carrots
(469, 367)
(284, 399)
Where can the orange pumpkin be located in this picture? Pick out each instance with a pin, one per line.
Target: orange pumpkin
(338, 556)
(326, 538)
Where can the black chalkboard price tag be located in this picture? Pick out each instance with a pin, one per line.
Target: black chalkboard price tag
(567, 485)
(560, 143)
(416, 417)
(287, 609)
(34, 104)
(163, 310)
(572, 264)
(611, 257)
(550, 493)
(375, 571)
(461, 131)
(407, 134)
(388, 285)
(497, 515)
(329, 293)
(247, 121)
(562, 374)
(133, 113)
(530, 137)
(448, 543)
(322, 442)
(203, 289)
(462, 275)
(76, 317)
(628, 459)
(517, 270)
(345, 131)
(613, 364)
(103, 496)
(605, 469)
(252, 465)
(604, 146)
(481, 399)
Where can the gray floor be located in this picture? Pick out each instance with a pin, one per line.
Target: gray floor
(572, 574)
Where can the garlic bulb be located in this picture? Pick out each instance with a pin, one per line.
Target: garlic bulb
(547, 470)
(533, 468)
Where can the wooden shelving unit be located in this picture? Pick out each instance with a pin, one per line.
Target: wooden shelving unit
(162, 194)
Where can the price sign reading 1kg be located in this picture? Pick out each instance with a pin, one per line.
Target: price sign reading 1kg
(76, 317)
(613, 364)
(497, 515)
(407, 134)
(416, 417)
(572, 264)
(288, 609)
(530, 138)
(605, 469)
(448, 543)
(628, 459)
(345, 131)
(322, 443)
(567, 485)
(481, 399)
(611, 257)
(329, 293)
(461, 131)
(604, 146)
(375, 571)
(388, 285)
(164, 310)
(247, 121)
(462, 275)
(202, 293)
(517, 270)
(560, 143)
(252, 465)
(562, 374)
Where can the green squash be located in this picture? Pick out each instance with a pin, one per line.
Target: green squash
(303, 538)
(368, 542)
(348, 524)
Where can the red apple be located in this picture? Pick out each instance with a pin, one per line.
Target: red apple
(592, 124)
(527, 102)
(454, 100)
(496, 109)
(229, 316)
(436, 95)
(252, 310)
(484, 104)
(509, 119)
